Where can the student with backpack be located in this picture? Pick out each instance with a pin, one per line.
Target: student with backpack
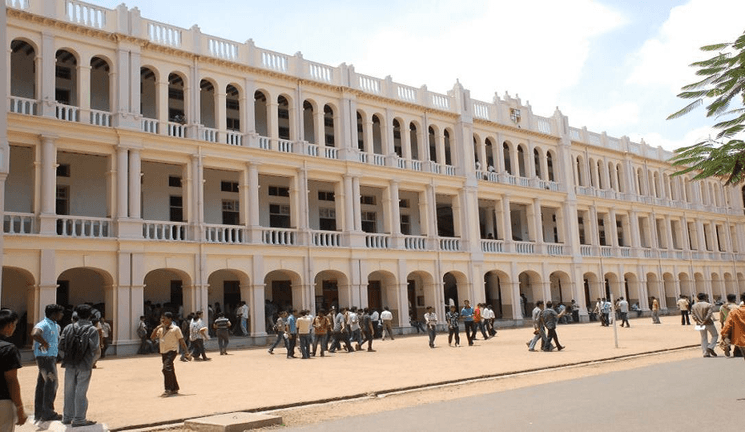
(79, 342)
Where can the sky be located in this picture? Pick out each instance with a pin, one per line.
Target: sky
(613, 66)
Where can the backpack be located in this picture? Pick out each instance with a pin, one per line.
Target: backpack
(76, 344)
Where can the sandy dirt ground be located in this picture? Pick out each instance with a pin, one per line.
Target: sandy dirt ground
(125, 392)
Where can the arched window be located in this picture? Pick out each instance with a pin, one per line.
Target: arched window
(148, 94)
(360, 132)
(377, 136)
(207, 103)
(232, 109)
(550, 166)
(329, 125)
(283, 118)
(261, 123)
(309, 125)
(489, 154)
(507, 159)
(414, 141)
(446, 137)
(432, 140)
(537, 163)
(397, 138)
(176, 99)
(22, 71)
(66, 83)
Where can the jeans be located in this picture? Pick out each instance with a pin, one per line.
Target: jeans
(305, 345)
(705, 344)
(197, 349)
(77, 380)
(340, 337)
(46, 387)
(244, 327)
(625, 319)
(319, 339)
(169, 371)
(432, 332)
(552, 335)
(684, 318)
(454, 331)
(223, 339)
(482, 328)
(356, 336)
(368, 337)
(291, 341)
(280, 338)
(470, 331)
(656, 317)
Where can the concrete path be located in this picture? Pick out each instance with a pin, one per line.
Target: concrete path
(124, 392)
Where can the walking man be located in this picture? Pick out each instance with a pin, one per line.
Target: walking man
(340, 332)
(387, 318)
(46, 334)
(683, 306)
(538, 332)
(320, 332)
(80, 344)
(169, 338)
(467, 314)
(243, 316)
(291, 331)
(550, 318)
(368, 331)
(279, 327)
(453, 318)
(222, 331)
(605, 310)
(655, 311)
(304, 323)
(430, 319)
(623, 307)
(197, 335)
(11, 405)
(703, 315)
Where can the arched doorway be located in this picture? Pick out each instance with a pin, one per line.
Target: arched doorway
(531, 290)
(283, 288)
(561, 288)
(86, 285)
(455, 291)
(227, 288)
(18, 294)
(498, 293)
(167, 290)
(420, 293)
(382, 291)
(327, 292)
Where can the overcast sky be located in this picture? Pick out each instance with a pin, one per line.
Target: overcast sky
(610, 65)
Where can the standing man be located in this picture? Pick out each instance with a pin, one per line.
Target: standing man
(169, 339)
(243, 316)
(724, 311)
(538, 332)
(340, 332)
(623, 307)
(734, 327)
(291, 331)
(430, 320)
(605, 309)
(368, 331)
(550, 318)
(467, 314)
(222, 331)
(377, 328)
(80, 343)
(142, 333)
(453, 318)
(304, 323)
(353, 323)
(683, 306)
(11, 405)
(575, 312)
(387, 318)
(655, 311)
(703, 315)
(46, 335)
(321, 327)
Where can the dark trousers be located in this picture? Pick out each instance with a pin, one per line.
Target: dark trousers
(169, 371)
(551, 335)
(280, 338)
(606, 319)
(470, 331)
(432, 332)
(291, 341)
(625, 319)
(454, 331)
(482, 328)
(684, 318)
(367, 336)
(305, 345)
(46, 387)
(197, 348)
(319, 339)
(340, 337)
(223, 339)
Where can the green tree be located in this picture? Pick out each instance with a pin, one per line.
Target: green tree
(723, 85)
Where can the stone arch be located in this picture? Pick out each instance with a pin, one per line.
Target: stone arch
(172, 289)
(631, 290)
(593, 289)
(23, 74)
(455, 288)
(530, 286)
(285, 109)
(234, 106)
(550, 166)
(229, 287)
(100, 84)
(700, 283)
(66, 83)
(560, 285)
(18, 294)
(507, 158)
(284, 288)
(377, 133)
(310, 109)
(717, 288)
(730, 286)
(398, 130)
(382, 290)
(421, 291)
(498, 293)
(612, 284)
(655, 288)
(149, 77)
(670, 292)
(448, 138)
(740, 283)
(207, 106)
(413, 131)
(332, 287)
(522, 160)
(261, 113)
(687, 287)
(178, 98)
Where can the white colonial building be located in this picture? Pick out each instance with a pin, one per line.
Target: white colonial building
(141, 161)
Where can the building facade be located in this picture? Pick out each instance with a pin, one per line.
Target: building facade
(145, 162)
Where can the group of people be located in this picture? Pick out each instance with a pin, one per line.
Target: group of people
(545, 319)
(732, 322)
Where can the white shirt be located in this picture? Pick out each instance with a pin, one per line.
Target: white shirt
(386, 315)
(243, 311)
(487, 314)
(375, 316)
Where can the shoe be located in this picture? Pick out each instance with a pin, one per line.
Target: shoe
(66, 422)
(271, 352)
(726, 352)
(707, 355)
(322, 355)
(53, 417)
(184, 360)
(370, 350)
(84, 423)
(457, 345)
(528, 344)
(711, 351)
(531, 349)
(206, 359)
(561, 347)
(165, 394)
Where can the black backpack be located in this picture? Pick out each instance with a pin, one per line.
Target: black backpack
(76, 344)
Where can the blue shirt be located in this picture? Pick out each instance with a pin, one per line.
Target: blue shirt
(467, 314)
(291, 324)
(50, 332)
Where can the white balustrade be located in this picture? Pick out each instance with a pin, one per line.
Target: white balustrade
(174, 231)
(664, 254)
(320, 72)
(585, 190)
(209, 134)
(229, 234)
(21, 105)
(415, 165)
(647, 253)
(492, 246)
(19, 223)
(635, 148)
(149, 125)
(440, 101)
(378, 160)
(575, 134)
(594, 139)
(100, 118)
(79, 226)
(614, 143)
(450, 244)
(363, 157)
(510, 179)
(449, 170)
(85, 14)
(523, 247)
(369, 84)
(234, 138)
(401, 163)
(481, 110)
(492, 177)
(285, 146)
(67, 112)
(542, 125)
(17, 4)
(523, 181)
(163, 34)
(279, 236)
(585, 250)
(326, 238)
(406, 93)
(176, 130)
(274, 61)
(606, 251)
(434, 167)
(223, 49)
(415, 243)
(311, 149)
(625, 251)
(679, 255)
(264, 143)
(331, 152)
(377, 241)
(555, 249)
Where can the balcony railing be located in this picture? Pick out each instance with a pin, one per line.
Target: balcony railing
(264, 143)
(19, 223)
(100, 118)
(229, 234)
(378, 241)
(21, 105)
(79, 226)
(234, 138)
(285, 146)
(325, 238)
(586, 250)
(67, 112)
(279, 236)
(415, 242)
(173, 231)
(523, 247)
(176, 130)
(492, 246)
(450, 244)
(556, 249)
(209, 134)
(149, 125)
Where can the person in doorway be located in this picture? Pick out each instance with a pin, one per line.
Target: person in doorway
(222, 331)
(430, 320)
(683, 305)
(46, 334)
(367, 329)
(197, 336)
(105, 335)
(243, 318)
(169, 338)
(703, 314)
(11, 405)
(575, 312)
(387, 318)
(146, 346)
(279, 328)
(291, 332)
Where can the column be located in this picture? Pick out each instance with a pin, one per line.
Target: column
(252, 195)
(506, 220)
(197, 203)
(594, 229)
(162, 102)
(514, 161)
(530, 159)
(221, 122)
(47, 74)
(356, 203)
(440, 139)
(700, 234)
(299, 199)
(244, 191)
(543, 158)
(425, 218)
(405, 142)
(613, 228)
(248, 114)
(256, 312)
(369, 145)
(669, 229)
(135, 184)
(273, 122)
(634, 224)
(134, 88)
(122, 191)
(84, 87)
(395, 213)
(319, 128)
(537, 222)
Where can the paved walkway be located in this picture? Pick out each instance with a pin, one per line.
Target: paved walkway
(125, 391)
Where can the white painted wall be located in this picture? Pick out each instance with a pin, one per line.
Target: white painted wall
(87, 183)
(19, 187)
(155, 190)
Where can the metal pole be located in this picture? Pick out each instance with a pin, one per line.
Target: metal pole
(613, 312)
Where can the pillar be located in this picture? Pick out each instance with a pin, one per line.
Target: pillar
(135, 184)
